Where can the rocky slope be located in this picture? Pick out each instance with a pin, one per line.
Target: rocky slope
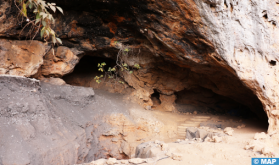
(63, 125)
(228, 47)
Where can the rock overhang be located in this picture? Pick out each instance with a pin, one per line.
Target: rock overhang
(185, 35)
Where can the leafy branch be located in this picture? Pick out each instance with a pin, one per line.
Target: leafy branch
(43, 19)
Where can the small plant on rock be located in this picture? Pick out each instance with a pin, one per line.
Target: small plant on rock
(113, 72)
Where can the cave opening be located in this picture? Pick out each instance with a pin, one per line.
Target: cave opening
(203, 101)
(87, 69)
(155, 97)
(196, 99)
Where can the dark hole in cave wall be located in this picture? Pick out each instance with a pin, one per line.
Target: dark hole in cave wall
(87, 69)
(155, 97)
(272, 63)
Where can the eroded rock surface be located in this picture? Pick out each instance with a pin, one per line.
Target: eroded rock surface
(21, 58)
(59, 62)
(228, 47)
(43, 123)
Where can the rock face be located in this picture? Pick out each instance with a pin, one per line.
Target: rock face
(52, 124)
(59, 62)
(227, 47)
(35, 118)
(244, 35)
(21, 58)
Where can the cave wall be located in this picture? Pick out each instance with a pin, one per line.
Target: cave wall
(229, 47)
(245, 35)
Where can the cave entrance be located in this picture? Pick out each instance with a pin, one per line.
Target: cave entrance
(224, 111)
(197, 99)
(86, 70)
(204, 100)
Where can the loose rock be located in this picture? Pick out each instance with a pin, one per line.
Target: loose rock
(111, 161)
(255, 145)
(99, 162)
(124, 161)
(217, 139)
(137, 160)
(267, 151)
(229, 131)
(260, 136)
(164, 146)
(176, 156)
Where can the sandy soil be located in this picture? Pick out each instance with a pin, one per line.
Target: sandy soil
(230, 151)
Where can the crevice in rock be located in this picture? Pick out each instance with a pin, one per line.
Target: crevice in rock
(272, 63)
(155, 97)
(265, 14)
(225, 4)
(231, 5)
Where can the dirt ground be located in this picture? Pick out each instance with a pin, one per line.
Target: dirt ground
(230, 151)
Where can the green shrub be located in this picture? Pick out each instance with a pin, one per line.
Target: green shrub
(43, 19)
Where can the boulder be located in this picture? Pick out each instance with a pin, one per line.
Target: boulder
(59, 62)
(21, 58)
(152, 150)
(149, 150)
(255, 145)
(228, 131)
(54, 81)
(177, 156)
(192, 133)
